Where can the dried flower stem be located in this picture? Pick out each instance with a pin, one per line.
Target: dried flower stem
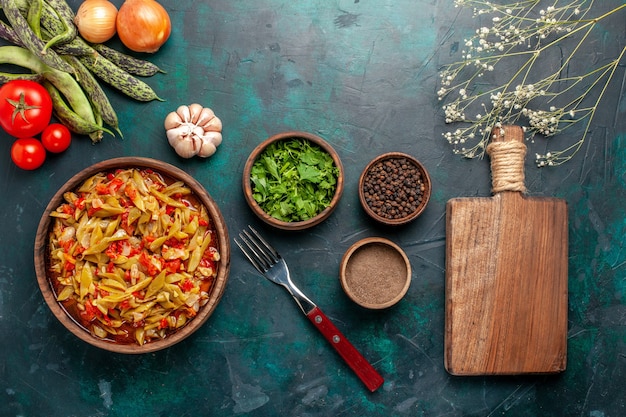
(520, 34)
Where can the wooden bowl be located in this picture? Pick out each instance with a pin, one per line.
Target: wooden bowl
(291, 225)
(389, 199)
(42, 256)
(375, 273)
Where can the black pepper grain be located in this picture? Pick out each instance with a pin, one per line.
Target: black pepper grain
(393, 188)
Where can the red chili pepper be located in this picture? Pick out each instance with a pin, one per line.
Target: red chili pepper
(67, 244)
(125, 305)
(130, 229)
(90, 312)
(163, 324)
(102, 188)
(67, 209)
(113, 250)
(92, 211)
(186, 285)
(207, 263)
(147, 262)
(80, 203)
(175, 243)
(173, 265)
(208, 257)
(131, 192)
(115, 185)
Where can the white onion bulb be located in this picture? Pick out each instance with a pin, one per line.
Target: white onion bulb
(96, 20)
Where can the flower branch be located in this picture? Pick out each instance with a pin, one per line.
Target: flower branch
(519, 35)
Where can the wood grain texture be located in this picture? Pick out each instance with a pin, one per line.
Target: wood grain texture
(506, 285)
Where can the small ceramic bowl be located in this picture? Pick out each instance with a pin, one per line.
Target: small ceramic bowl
(394, 188)
(375, 273)
(300, 224)
(63, 310)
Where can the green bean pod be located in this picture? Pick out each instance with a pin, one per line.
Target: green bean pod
(63, 81)
(30, 39)
(33, 16)
(75, 47)
(126, 62)
(72, 120)
(56, 26)
(5, 77)
(118, 78)
(51, 22)
(98, 98)
(63, 10)
(66, 18)
(8, 34)
(96, 135)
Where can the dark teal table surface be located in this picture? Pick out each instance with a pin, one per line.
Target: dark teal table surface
(364, 76)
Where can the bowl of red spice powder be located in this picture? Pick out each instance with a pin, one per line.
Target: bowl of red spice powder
(394, 188)
(375, 273)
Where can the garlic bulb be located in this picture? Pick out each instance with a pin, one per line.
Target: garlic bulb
(193, 130)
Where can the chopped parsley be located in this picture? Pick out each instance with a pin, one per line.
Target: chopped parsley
(294, 179)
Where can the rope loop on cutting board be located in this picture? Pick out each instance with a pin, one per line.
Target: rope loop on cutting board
(507, 166)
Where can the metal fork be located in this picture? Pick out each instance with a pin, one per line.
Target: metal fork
(272, 266)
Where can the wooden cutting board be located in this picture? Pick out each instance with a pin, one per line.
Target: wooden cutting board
(506, 273)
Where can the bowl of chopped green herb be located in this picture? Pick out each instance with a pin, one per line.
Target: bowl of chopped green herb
(293, 180)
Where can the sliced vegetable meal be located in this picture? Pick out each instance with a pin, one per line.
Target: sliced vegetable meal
(133, 255)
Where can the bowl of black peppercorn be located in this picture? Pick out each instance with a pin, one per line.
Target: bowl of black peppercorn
(394, 188)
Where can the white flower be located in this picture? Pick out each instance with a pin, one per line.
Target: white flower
(512, 33)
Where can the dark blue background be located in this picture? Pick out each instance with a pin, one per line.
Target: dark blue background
(363, 75)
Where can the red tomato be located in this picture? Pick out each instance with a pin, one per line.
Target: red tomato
(56, 137)
(28, 153)
(25, 108)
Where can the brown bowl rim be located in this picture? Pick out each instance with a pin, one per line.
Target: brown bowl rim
(41, 244)
(256, 208)
(346, 259)
(426, 195)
